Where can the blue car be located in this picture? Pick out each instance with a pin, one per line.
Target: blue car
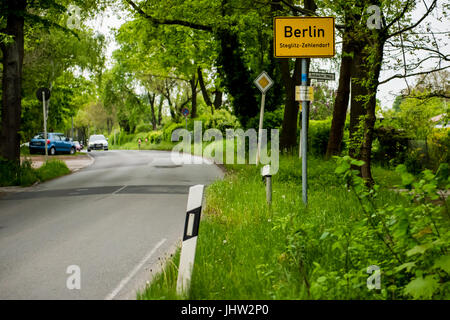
(56, 143)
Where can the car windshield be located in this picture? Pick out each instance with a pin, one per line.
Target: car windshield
(39, 136)
(97, 138)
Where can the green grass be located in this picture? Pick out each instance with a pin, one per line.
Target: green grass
(144, 146)
(249, 250)
(25, 175)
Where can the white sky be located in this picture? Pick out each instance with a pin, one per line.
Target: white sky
(386, 92)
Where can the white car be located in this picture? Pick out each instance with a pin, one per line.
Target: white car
(97, 142)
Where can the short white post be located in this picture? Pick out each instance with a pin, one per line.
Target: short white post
(265, 172)
(191, 225)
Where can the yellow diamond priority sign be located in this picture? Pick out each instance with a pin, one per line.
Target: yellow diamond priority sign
(263, 82)
(303, 37)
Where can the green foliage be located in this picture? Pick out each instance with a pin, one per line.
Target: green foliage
(318, 135)
(410, 243)
(438, 147)
(272, 120)
(169, 128)
(221, 119)
(52, 169)
(390, 146)
(12, 174)
(143, 127)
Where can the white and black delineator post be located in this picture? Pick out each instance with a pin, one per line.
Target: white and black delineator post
(267, 175)
(190, 234)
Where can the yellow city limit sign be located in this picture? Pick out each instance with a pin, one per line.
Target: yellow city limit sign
(303, 37)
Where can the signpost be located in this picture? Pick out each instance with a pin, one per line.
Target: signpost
(321, 75)
(43, 94)
(263, 82)
(304, 37)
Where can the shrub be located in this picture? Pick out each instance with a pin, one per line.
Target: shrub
(27, 175)
(272, 120)
(438, 147)
(167, 130)
(318, 134)
(221, 119)
(143, 127)
(12, 174)
(390, 146)
(155, 137)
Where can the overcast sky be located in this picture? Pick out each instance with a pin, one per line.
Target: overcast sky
(386, 93)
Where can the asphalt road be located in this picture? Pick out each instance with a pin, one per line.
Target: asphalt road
(114, 220)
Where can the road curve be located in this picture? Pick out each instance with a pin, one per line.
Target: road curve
(112, 220)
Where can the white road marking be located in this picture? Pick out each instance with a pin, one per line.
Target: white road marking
(134, 271)
(120, 189)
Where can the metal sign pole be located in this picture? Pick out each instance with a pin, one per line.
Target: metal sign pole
(261, 117)
(304, 135)
(45, 124)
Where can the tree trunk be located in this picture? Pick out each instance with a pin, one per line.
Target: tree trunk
(12, 80)
(151, 100)
(217, 98)
(366, 148)
(341, 100)
(358, 105)
(204, 91)
(161, 101)
(288, 137)
(193, 82)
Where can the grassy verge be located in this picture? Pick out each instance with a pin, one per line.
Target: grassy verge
(24, 174)
(248, 250)
(164, 145)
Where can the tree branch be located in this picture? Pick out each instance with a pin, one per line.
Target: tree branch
(433, 5)
(411, 74)
(167, 21)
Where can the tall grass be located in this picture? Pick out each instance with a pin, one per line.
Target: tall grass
(250, 250)
(13, 174)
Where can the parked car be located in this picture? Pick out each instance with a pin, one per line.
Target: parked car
(78, 146)
(97, 142)
(56, 143)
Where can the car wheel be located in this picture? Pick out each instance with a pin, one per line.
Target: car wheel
(52, 151)
(72, 150)
(89, 150)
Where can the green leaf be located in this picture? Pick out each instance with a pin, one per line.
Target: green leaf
(419, 249)
(443, 263)
(324, 235)
(422, 288)
(407, 265)
(358, 163)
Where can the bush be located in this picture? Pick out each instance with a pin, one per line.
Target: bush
(144, 127)
(390, 146)
(12, 174)
(318, 134)
(272, 120)
(221, 119)
(155, 137)
(438, 148)
(167, 130)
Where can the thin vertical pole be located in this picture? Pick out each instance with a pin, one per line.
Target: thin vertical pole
(45, 124)
(304, 135)
(261, 118)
